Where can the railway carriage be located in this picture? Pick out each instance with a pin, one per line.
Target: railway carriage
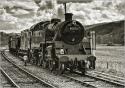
(25, 42)
(14, 43)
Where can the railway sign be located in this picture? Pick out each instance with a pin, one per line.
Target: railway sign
(74, 1)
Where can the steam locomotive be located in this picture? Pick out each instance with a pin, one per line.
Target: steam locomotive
(56, 45)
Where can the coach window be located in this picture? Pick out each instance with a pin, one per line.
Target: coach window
(37, 33)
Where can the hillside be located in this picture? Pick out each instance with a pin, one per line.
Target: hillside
(110, 32)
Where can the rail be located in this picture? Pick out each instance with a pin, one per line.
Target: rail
(106, 79)
(28, 73)
(9, 79)
(81, 82)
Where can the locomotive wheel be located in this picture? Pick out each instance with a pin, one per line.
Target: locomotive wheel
(83, 70)
(82, 67)
(61, 68)
(71, 66)
(71, 69)
(51, 65)
(50, 62)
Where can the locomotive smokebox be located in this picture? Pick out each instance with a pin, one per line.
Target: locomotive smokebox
(68, 16)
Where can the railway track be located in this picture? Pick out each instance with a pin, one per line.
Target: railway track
(5, 83)
(92, 82)
(109, 78)
(10, 80)
(63, 83)
(21, 78)
(83, 82)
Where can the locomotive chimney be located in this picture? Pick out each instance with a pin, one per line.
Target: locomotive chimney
(68, 16)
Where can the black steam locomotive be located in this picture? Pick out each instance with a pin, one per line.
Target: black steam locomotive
(57, 45)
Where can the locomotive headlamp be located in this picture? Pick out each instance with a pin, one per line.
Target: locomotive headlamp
(74, 22)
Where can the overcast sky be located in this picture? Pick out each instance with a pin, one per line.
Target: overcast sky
(17, 15)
